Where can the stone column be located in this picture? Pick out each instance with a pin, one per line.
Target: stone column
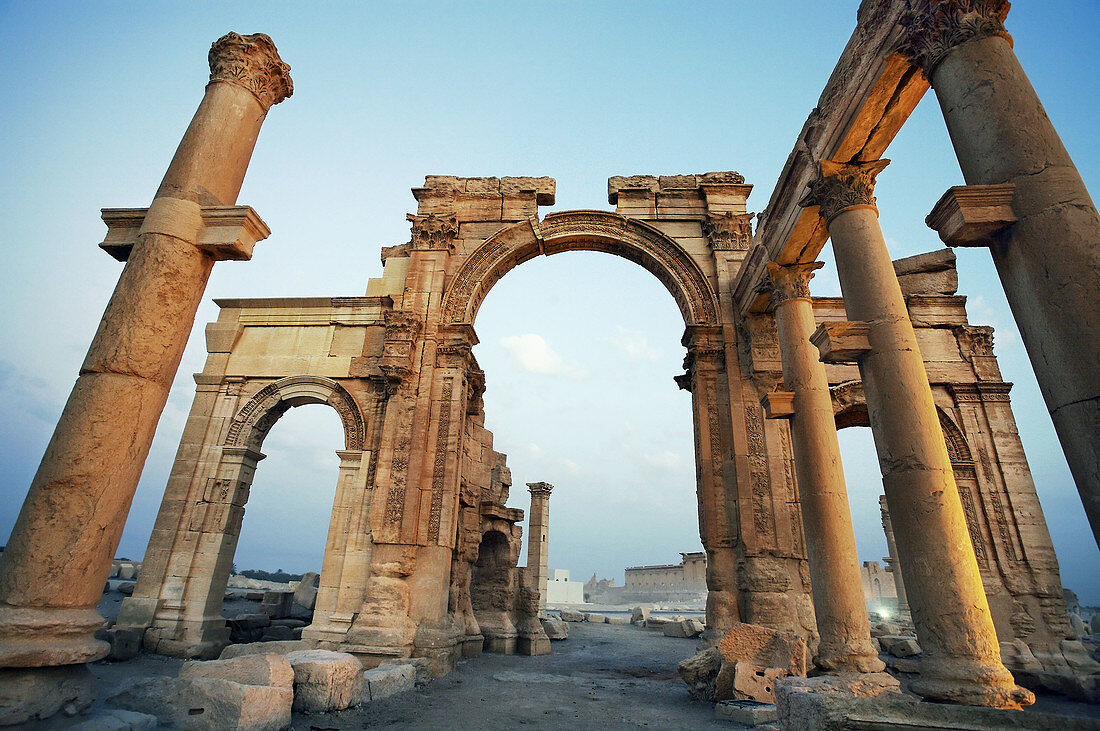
(839, 605)
(538, 533)
(891, 560)
(962, 660)
(60, 551)
(1049, 259)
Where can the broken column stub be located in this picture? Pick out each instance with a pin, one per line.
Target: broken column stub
(962, 661)
(79, 498)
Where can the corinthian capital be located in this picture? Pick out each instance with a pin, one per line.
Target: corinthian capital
(728, 231)
(940, 25)
(791, 281)
(841, 186)
(251, 62)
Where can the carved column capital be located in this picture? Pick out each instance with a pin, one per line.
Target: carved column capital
(940, 25)
(728, 231)
(791, 281)
(433, 231)
(251, 62)
(539, 489)
(840, 186)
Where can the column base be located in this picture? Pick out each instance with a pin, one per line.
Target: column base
(503, 645)
(41, 637)
(472, 645)
(440, 642)
(532, 645)
(990, 686)
(33, 694)
(203, 640)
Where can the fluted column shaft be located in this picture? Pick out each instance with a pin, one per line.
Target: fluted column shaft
(841, 611)
(961, 661)
(1049, 260)
(60, 551)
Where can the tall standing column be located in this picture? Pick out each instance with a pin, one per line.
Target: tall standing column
(962, 661)
(59, 555)
(1049, 259)
(892, 564)
(538, 534)
(839, 605)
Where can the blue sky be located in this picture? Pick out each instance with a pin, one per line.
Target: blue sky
(579, 349)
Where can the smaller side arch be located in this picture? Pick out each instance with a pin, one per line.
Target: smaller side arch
(259, 414)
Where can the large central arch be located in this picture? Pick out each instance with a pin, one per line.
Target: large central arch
(581, 231)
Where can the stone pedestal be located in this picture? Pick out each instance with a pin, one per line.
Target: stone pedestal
(1049, 258)
(962, 661)
(845, 644)
(60, 551)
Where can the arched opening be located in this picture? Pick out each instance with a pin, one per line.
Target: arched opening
(493, 589)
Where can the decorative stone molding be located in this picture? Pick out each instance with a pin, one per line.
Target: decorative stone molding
(974, 340)
(941, 25)
(984, 391)
(792, 281)
(225, 232)
(840, 186)
(972, 215)
(251, 62)
(777, 405)
(259, 414)
(539, 489)
(434, 232)
(402, 329)
(841, 342)
(728, 231)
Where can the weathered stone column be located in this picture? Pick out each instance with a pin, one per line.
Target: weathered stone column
(538, 533)
(962, 660)
(841, 612)
(892, 564)
(60, 552)
(1049, 259)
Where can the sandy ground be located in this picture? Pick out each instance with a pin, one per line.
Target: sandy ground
(604, 676)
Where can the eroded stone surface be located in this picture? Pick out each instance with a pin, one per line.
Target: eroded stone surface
(206, 703)
(325, 680)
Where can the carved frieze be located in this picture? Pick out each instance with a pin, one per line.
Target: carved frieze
(940, 25)
(728, 231)
(439, 467)
(251, 62)
(840, 186)
(434, 232)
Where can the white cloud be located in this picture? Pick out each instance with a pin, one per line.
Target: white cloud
(634, 344)
(533, 354)
(1005, 333)
(664, 460)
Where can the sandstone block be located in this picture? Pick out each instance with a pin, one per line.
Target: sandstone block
(206, 703)
(116, 719)
(700, 673)
(325, 680)
(262, 648)
(555, 629)
(269, 669)
(639, 615)
(823, 702)
(382, 682)
(1078, 625)
(683, 628)
(30, 694)
(277, 604)
(618, 620)
(745, 712)
(422, 667)
(126, 571)
(899, 645)
(569, 615)
(306, 594)
(765, 648)
(595, 618)
(751, 682)
(127, 588)
(125, 643)
(656, 623)
(278, 633)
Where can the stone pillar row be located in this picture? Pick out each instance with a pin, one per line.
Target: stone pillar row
(961, 661)
(59, 555)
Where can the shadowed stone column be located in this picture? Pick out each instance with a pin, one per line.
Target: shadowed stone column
(892, 564)
(1049, 258)
(842, 620)
(59, 555)
(538, 533)
(962, 660)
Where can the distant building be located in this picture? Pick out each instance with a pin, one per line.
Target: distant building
(560, 590)
(878, 585)
(688, 575)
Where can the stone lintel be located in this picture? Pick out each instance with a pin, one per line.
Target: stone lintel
(228, 232)
(777, 405)
(450, 187)
(724, 190)
(841, 342)
(932, 261)
(972, 215)
(509, 515)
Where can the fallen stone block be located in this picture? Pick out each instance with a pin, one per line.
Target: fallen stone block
(421, 666)
(903, 664)
(254, 596)
(755, 683)
(277, 604)
(684, 628)
(700, 672)
(269, 669)
(125, 643)
(31, 694)
(569, 615)
(382, 682)
(277, 633)
(656, 623)
(126, 588)
(555, 629)
(1078, 625)
(639, 615)
(611, 619)
(899, 645)
(823, 702)
(764, 648)
(206, 703)
(289, 622)
(595, 618)
(250, 621)
(305, 595)
(262, 648)
(745, 712)
(325, 680)
(115, 719)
